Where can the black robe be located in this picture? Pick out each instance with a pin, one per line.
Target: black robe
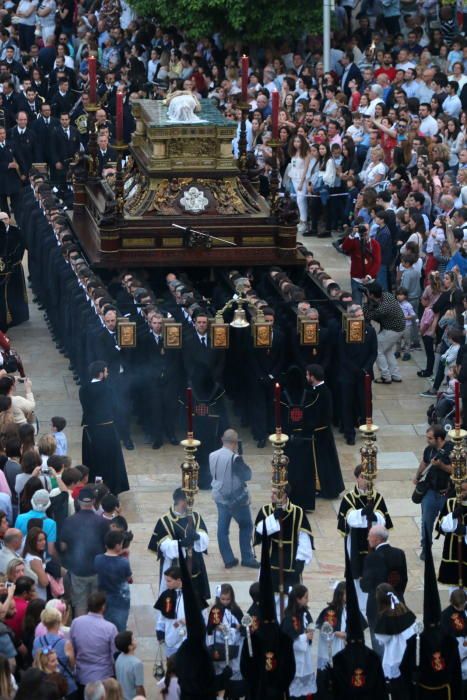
(175, 527)
(357, 674)
(297, 416)
(449, 567)
(271, 669)
(439, 676)
(101, 448)
(13, 296)
(294, 521)
(209, 423)
(354, 500)
(323, 448)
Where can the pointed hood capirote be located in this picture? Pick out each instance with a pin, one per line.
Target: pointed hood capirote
(354, 627)
(431, 600)
(267, 602)
(193, 663)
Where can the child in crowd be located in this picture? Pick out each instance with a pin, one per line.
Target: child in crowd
(410, 319)
(84, 480)
(170, 623)
(129, 670)
(437, 235)
(110, 506)
(335, 614)
(226, 612)
(297, 624)
(410, 280)
(169, 687)
(58, 425)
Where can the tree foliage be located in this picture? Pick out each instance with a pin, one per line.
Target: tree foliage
(249, 20)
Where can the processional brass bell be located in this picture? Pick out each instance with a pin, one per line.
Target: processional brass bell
(239, 319)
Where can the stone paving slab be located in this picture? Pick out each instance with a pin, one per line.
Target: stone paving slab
(399, 412)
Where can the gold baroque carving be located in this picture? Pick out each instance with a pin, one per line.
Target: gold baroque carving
(193, 148)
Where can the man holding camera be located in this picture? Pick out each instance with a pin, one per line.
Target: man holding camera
(365, 258)
(229, 491)
(433, 479)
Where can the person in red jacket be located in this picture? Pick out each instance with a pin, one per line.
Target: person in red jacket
(365, 258)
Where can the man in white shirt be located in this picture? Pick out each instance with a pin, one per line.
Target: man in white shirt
(452, 106)
(428, 125)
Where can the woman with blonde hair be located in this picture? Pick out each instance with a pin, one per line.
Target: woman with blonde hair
(113, 689)
(8, 685)
(46, 660)
(51, 618)
(15, 569)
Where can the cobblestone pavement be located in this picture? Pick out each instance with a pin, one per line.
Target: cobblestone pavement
(399, 412)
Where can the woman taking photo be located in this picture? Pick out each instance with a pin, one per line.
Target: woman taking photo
(297, 624)
(296, 171)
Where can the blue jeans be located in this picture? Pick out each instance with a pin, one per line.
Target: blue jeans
(357, 295)
(432, 503)
(382, 277)
(242, 516)
(117, 612)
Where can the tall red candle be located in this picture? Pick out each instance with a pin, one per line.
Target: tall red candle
(368, 396)
(119, 118)
(457, 402)
(245, 77)
(275, 115)
(277, 405)
(92, 67)
(189, 410)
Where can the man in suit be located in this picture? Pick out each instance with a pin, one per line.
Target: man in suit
(64, 144)
(30, 103)
(22, 139)
(10, 182)
(9, 102)
(264, 367)
(161, 371)
(351, 72)
(43, 128)
(106, 156)
(384, 564)
(199, 358)
(354, 361)
(117, 362)
(62, 100)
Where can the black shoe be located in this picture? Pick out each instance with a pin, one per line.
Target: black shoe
(157, 444)
(128, 444)
(173, 440)
(252, 564)
(308, 234)
(424, 373)
(261, 443)
(350, 440)
(231, 564)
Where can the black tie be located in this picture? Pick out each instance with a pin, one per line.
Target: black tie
(203, 340)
